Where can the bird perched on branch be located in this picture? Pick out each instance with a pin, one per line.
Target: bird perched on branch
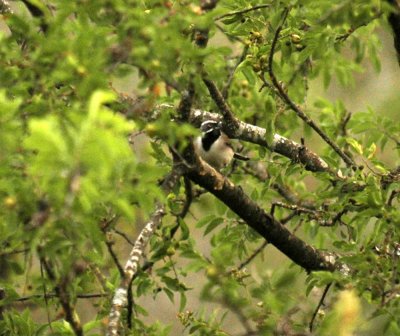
(214, 147)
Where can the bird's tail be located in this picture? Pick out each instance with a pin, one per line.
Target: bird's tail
(241, 157)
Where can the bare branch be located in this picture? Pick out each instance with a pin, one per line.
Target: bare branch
(131, 267)
(268, 227)
(125, 236)
(231, 123)
(295, 107)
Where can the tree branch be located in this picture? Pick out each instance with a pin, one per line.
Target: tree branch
(231, 123)
(109, 244)
(257, 135)
(131, 267)
(349, 162)
(273, 231)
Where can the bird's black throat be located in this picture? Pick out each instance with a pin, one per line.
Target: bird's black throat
(209, 138)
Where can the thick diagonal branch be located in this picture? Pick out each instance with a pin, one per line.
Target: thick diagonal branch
(274, 232)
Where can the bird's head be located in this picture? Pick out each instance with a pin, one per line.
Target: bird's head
(210, 126)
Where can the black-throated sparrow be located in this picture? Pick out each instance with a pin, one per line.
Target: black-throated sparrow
(214, 147)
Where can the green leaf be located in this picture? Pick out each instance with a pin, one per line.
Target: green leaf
(213, 224)
(183, 301)
(184, 229)
(355, 145)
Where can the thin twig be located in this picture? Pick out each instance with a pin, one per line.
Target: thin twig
(255, 254)
(228, 84)
(113, 255)
(243, 11)
(54, 295)
(125, 236)
(320, 303)
(349, 162)
(260, 173)
(345, 36)
(109, 242)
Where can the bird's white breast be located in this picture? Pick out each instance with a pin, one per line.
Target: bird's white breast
(219, 155)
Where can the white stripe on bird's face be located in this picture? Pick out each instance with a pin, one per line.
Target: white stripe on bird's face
(210, 125)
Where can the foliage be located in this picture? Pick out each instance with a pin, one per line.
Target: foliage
(88, 98)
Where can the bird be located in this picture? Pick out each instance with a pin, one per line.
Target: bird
(214, 147)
